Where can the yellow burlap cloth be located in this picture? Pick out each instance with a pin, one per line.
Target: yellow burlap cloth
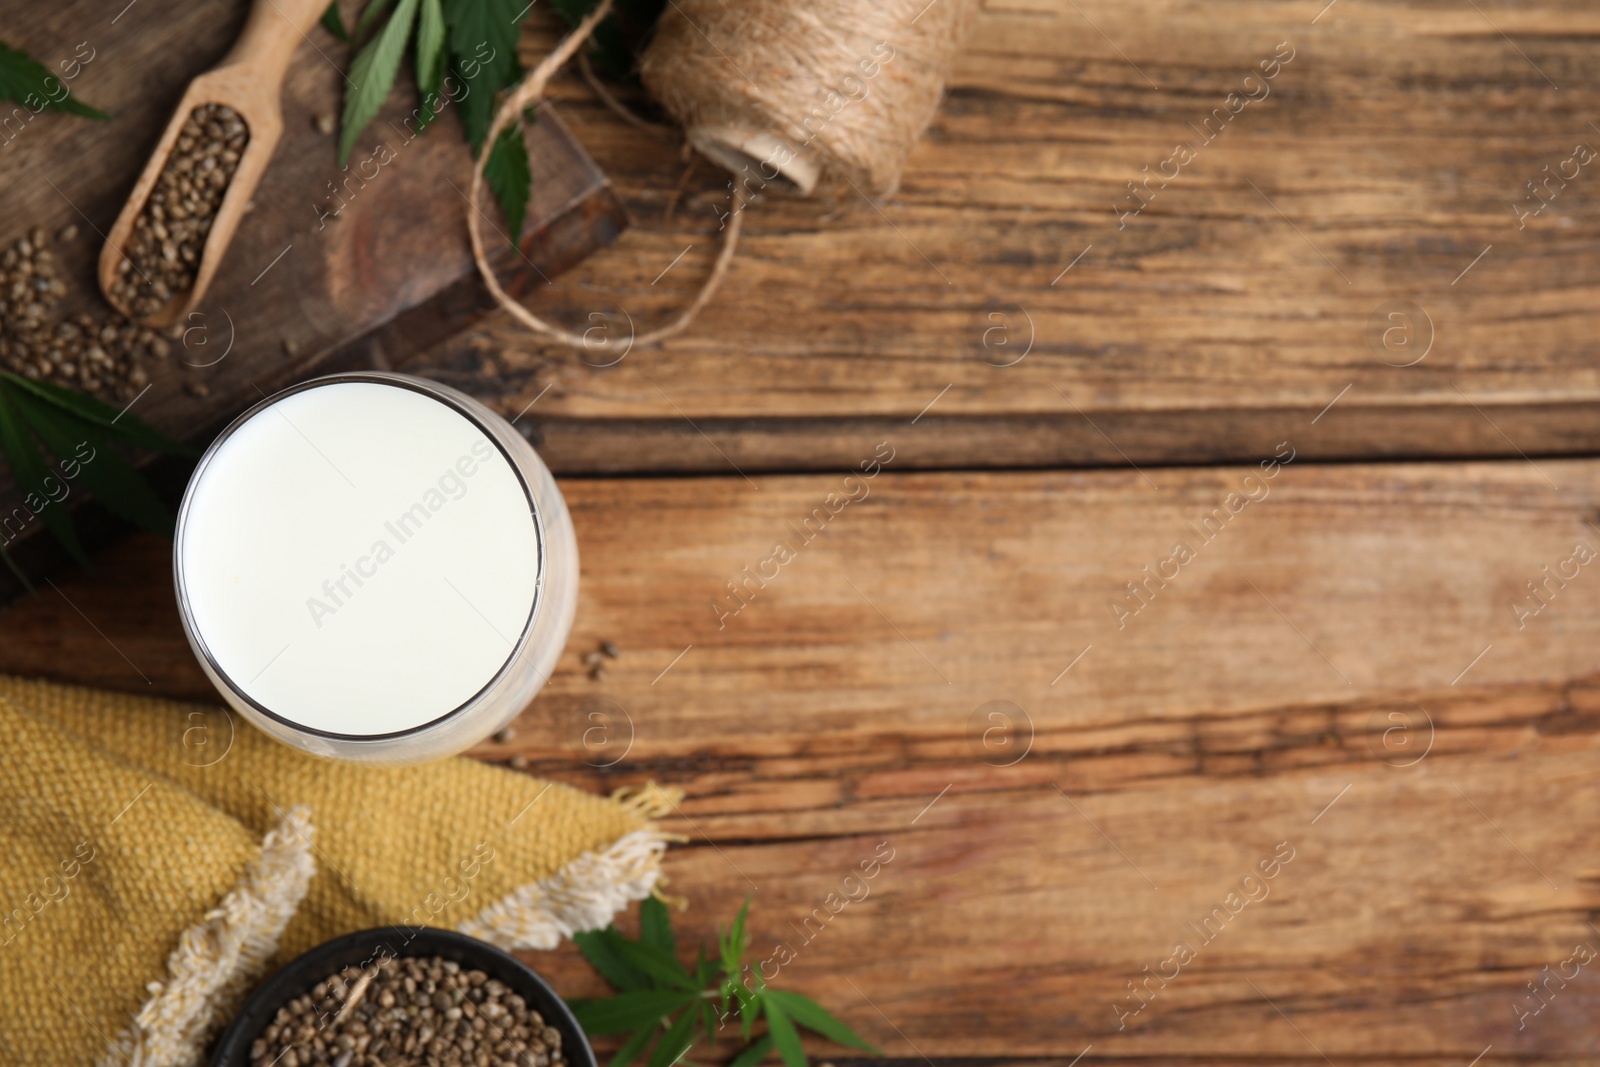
(157, 857)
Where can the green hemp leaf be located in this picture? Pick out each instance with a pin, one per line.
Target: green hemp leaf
(53, 438)
(660, 1000)
(26, 81)
(465, 55)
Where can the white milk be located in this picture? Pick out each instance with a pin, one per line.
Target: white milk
(359, 564)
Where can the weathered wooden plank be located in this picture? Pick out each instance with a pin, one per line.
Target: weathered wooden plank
(1386, 159)
(1404, 926)
(675, 443)
(848, 702)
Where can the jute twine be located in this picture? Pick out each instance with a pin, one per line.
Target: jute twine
(791, 95)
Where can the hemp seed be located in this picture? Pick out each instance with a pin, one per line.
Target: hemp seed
(408, 1011)
(170, 233)
(95, 354)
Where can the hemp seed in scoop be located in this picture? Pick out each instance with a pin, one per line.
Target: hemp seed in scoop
(163, 252)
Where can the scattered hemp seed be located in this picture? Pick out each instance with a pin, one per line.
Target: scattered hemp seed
(290, 347)
(596, 661)
(404, 1012)
(163, 252)
(503, 736)
(518, 762)
(324, 123)
(102, 354)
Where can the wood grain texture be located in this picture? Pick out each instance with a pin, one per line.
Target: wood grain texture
(1386, 159)
(1441, 858)
(1278, 686)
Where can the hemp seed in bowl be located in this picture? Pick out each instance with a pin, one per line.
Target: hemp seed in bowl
(162, 255)
(408, 1011)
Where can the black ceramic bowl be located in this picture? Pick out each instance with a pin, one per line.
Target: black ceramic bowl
(303, 973)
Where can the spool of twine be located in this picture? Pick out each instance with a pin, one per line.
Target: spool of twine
(788, 95)
(820, 91)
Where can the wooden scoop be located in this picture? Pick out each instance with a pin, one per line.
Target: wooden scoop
(250, 81)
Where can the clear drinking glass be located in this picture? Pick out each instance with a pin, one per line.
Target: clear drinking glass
(375, 567)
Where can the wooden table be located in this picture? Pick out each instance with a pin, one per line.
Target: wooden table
(1343, 677)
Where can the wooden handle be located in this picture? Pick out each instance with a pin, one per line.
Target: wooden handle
(274, 30)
